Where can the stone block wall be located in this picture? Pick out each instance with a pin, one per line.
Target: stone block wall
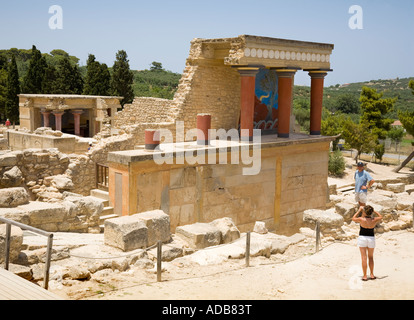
(206, 86)
(144, 110)
(292, 179)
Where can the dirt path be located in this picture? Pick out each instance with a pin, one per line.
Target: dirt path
(333, 273)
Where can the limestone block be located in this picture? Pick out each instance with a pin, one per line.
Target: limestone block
(8, 160)
(44, 213)
(16, 241)
(158, 224)
(328, 219)
(12, 178)
(62, 182)
(228, 229)
(126, 233)
(405, 201)
(260, 227)
(396, 187)
(346, 210)
(200, 235)
(388, 203)
(12, 197)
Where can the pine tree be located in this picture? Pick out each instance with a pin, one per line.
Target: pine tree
(49, 80)
(122, 78)
(13, 90)
(32, 82)
(374, 111)
(98, 78)
(69, 79)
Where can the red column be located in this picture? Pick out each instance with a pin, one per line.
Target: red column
(45, 115)
(203, 124)
(317, 79)
(285, 94)
(58, 119)
(248, 84)
(152, 139)
(76, 116)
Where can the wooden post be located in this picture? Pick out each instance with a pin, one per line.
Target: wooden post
(248, 249)
(318, 235)
(159, 258)
(8, 233)
(48, 258)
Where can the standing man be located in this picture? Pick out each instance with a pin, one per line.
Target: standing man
(363, 181)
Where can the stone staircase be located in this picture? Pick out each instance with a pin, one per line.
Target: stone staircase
(108, 211)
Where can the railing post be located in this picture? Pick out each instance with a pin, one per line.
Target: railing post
(48, 258)
(248, 249)
(8, 234)
(318, 235)
(159, 258)
(22, 226)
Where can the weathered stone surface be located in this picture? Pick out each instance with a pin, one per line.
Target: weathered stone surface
(200, 235)
(12, 178)
(328, 219)
(12, 197)
(396, 187)
(260, 227)
(158, 224)
(62, 182)
(346, 210)
(16, 241)
(43, 213)
(405, 201)
(8, 160)
(228, 229)
(126, 233)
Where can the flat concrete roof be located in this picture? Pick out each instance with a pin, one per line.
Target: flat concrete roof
(66, 96)
(267, 141)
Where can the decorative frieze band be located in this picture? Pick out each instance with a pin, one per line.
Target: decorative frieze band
(286, 55)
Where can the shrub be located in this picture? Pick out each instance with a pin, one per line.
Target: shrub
(336, 165)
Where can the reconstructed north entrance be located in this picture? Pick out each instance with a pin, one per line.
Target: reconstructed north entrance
(241, 83)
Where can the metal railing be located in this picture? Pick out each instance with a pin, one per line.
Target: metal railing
(49, 236)
(102, 177)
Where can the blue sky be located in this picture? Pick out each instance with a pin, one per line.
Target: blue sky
(161, 30)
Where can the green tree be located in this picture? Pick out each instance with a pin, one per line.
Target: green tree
(359, 137)
(3, 92)
(12, 92)
(155, 66)
(97, 81)
(374, 111)
(69, 79)
(411, 85)
(396, 135)
(336, 163)
(333, 125)
(122, 78)
(32, 82)
(301, 111)
(50, 80)
(347, 103)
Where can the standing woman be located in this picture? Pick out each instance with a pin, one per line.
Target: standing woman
(366, 239)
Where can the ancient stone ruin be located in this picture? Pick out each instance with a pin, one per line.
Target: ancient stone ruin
(80, 164)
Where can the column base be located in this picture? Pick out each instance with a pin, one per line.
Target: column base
(203, 142)
(283, 135)
(151, 146)
(315, 133)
